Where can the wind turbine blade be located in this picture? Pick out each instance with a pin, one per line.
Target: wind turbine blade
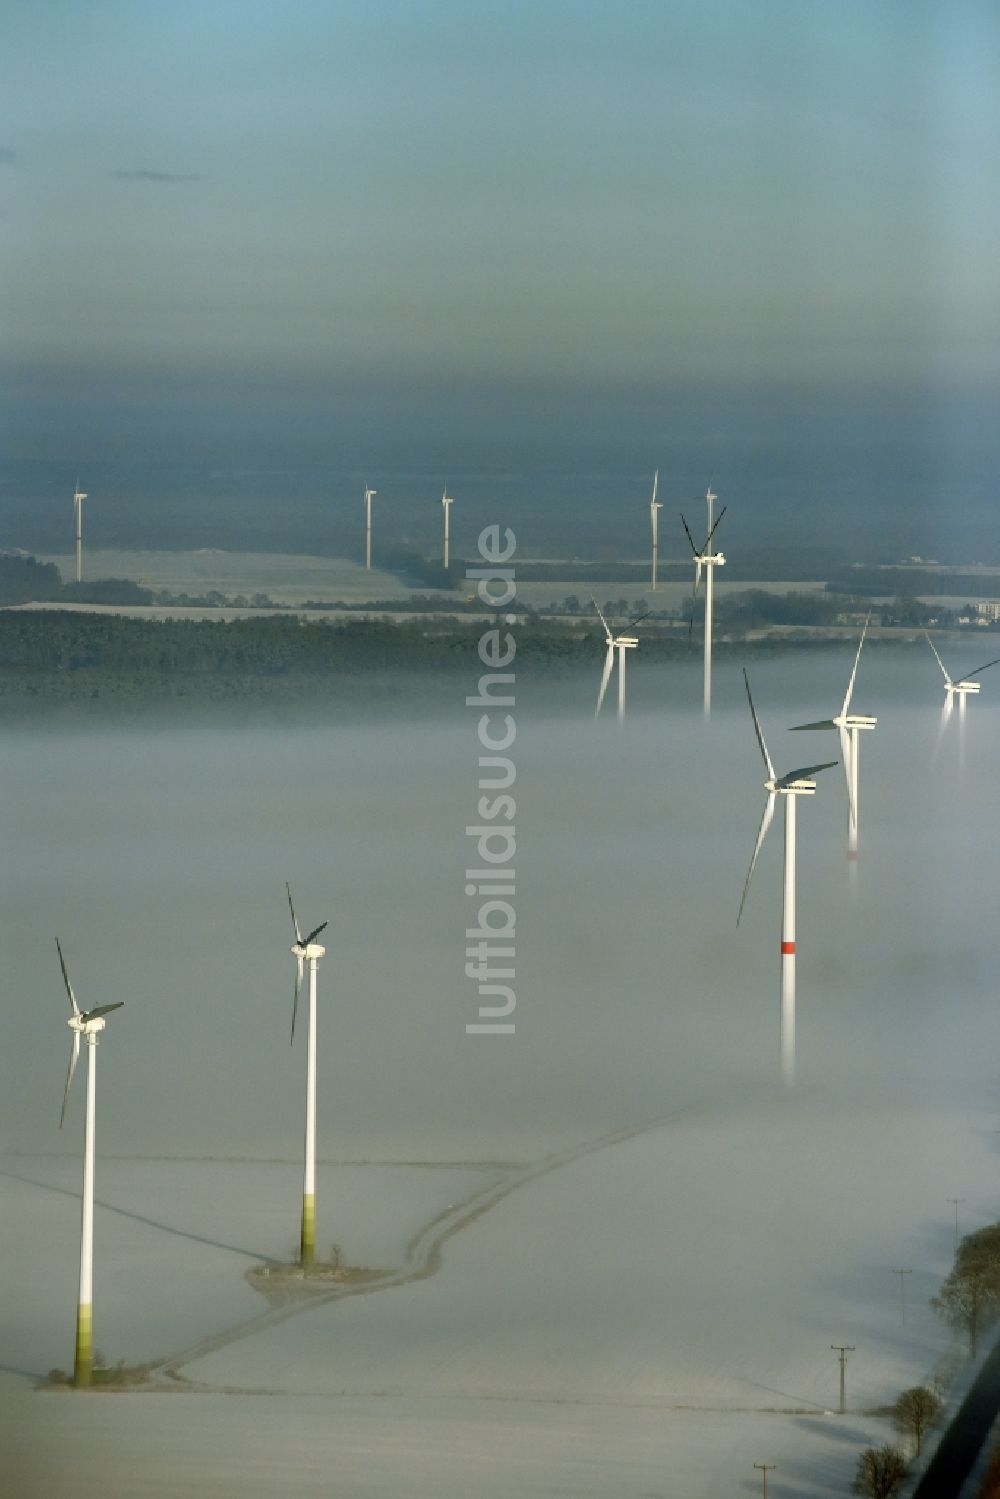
(846, 757)
(949, 703)
(609, 662)
(711, 533)
(638, 620)
(765, 823)
(756, 724)
(298, 934)
(977, 669)
(103, 1010)
(939, 661)
(69, 987)
(323, 925)
(824, 723)
(850, 685)
(697, 577)
(656, 481)
(804, 772)
(694, 549)
(299, 967)
(601, 618)
(74, 1054)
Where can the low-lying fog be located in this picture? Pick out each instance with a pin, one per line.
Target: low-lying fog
(159, 857)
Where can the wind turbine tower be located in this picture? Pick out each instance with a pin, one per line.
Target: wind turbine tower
(447, 501)
(708, 560)
(78, 499)
(88, 1025)
(368, 526)
(793, 784)
(849, 725)
(307, 950)
(655, 506)
(620, 643)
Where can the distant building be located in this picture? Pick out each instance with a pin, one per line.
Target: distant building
(988, 610)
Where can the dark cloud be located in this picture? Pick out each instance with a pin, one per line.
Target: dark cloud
(143, 174)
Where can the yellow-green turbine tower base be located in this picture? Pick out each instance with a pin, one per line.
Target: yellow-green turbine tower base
(307, 1242)
(84, 1361)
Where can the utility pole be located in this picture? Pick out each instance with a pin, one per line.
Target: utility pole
(955, 1202)
(902, 1293)
(765, 1468)
(842, 1350)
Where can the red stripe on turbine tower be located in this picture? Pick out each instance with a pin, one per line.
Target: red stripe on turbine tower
(787, 947)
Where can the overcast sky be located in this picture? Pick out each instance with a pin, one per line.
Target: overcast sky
(540, 195)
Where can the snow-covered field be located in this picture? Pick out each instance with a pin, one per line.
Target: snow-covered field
(288, 579)
(649, 1316)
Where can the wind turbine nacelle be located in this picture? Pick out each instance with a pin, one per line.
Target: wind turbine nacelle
(85, 1027)
(719, 560)
(314, 951)
(859, 721)
(966, 687)
(793, 788)
(627, 640)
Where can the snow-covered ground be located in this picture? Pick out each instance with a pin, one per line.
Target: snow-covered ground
(174, 1239)
(649, 1317)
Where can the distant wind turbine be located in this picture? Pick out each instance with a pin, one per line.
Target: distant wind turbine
(960, 689)
(369, 493)
(307, 950)
(78, 499)
(848, 726)
(88, 1024)
(620, 643)
(794, 783)
(655, 506)
(708, 560)
(447, 501)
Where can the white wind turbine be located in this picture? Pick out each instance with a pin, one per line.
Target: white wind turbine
(960, 689)
(789, 786)
(78, 499)
(655, 506)
(620, 643)
(848, 726)
(447, 501)
(369, 493)
(307, 950)
(708, 560)
(88, 1024)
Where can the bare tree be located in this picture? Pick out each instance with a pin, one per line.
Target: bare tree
(881, 1470)
(968, 1301)
(916, 1409)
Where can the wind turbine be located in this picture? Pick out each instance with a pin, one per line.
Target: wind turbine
(78, 499)
(789, 786)
(447, 501)
(620, 643)
(707, 560)
(88, 1024)
(848, 726)
(655, 505)
(307, 950)
(960, 689)
(368, 525)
